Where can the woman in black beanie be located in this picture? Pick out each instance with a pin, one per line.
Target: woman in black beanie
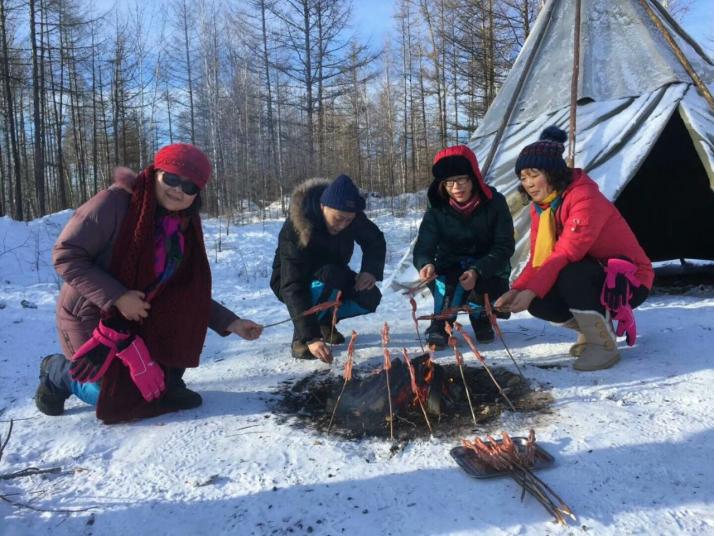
(465, 239)
(578, 240)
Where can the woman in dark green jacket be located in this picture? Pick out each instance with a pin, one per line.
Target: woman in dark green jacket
(466, 239)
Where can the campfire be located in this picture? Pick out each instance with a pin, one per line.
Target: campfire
(409, 397)
(364, 400)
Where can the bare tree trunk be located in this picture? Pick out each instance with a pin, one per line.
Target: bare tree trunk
(39, 150)
(188, 71)
(273, 150)
(19, 213)
(95, 132)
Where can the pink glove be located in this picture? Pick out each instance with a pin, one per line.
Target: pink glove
(626, 324)
(147, 375)
(92, 359)
(616, 295)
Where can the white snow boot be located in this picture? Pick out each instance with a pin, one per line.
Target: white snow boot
(600, 348)
(577, 348)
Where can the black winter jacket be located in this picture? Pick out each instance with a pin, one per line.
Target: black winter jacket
(446, 237)
(304, 246)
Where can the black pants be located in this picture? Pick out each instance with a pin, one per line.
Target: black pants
(578, 286)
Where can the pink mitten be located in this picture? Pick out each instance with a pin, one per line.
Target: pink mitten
(92, 359)
(147, 375)
(616, 295)
(626, 324)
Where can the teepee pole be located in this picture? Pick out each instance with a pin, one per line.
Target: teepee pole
(680, 55)
(574, 86)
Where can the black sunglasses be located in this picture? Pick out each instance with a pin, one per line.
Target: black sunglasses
(189, 188)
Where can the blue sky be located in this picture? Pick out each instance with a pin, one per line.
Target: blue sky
(373, 20)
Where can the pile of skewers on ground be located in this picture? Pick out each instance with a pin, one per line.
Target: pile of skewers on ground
(505, 457)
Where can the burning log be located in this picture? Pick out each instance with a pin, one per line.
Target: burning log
(415, 388)
(505, 456)
(347, 373)
(460, 363)
(387, 368)
(481, 359)
(494, 323)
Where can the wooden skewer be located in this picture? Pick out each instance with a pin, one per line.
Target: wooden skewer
(460, 363)
(347, 374)
(387, 367)
(415, 389)
(481, 359)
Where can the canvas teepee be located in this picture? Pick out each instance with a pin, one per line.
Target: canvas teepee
(645, 132)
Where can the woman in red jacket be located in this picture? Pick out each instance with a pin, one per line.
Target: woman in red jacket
(578, 238)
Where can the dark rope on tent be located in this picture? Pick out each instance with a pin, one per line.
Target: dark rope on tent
(679, 54)
(574, 86)
(519, 87)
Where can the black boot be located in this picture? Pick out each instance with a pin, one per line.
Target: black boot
(482, 328)
(49, 399)
(331, 335)
(436, 337)
(177, 395)
(300, 351)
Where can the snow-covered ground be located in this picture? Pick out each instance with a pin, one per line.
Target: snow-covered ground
(633, 444)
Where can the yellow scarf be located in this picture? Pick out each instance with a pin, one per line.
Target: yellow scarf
(545, 241)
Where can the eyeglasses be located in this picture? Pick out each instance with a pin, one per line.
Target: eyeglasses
(461, 181)
(171, 180)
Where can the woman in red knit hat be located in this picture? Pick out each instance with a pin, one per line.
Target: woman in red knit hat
(136, 303)
(586, 266)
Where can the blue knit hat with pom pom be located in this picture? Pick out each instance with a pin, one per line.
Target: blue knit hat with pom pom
(546, 153)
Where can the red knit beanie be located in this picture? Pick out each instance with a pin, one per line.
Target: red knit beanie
(186, 160)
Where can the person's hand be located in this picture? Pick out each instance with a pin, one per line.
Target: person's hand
(132, 306)
(468, 279)
(319, 349)
(364, 281)
(504, 302)
(522, 301)
(247, 329)
(427, 271)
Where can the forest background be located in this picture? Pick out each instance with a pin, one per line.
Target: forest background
(274, 91)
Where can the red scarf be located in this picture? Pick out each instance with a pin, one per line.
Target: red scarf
(178, 320)
(465, 209)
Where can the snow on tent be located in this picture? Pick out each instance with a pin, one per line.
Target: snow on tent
(644, 130)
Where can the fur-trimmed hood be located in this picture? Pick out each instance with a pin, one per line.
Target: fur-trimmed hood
(305, 208)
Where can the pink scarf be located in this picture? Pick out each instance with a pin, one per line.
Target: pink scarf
(465, 209)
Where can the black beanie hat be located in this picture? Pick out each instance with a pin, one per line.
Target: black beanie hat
(546, 153)
(342, 194)
(452, 166)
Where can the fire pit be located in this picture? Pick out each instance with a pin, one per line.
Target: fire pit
(363, 410)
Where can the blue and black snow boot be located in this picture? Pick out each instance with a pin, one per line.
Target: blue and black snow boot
(49, 398)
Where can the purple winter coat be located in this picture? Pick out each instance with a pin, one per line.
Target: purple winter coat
(81, 256)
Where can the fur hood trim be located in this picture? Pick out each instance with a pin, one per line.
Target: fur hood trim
(300, 212)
